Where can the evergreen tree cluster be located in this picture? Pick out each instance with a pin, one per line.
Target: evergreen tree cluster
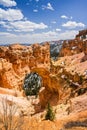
(32, 84)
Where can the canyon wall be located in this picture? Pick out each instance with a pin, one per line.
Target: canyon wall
(75, 46)
(72, 47)
(17, 60)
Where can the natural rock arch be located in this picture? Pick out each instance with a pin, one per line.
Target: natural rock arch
(50, 92)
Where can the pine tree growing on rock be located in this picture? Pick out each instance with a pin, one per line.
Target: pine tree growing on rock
(50, 115)
(32, 84)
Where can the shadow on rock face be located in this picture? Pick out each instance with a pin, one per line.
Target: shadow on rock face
(47, 96)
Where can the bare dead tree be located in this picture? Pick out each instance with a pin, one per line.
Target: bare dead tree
(8, 118)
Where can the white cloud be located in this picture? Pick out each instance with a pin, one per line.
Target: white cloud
(5, 25)
(35, 10)
(48, 7)
(73, 24)
(27, 26)
(58, 29)
(8, 3)
(50, 34)
(13, 20)
(68, 34)
(35, 37)
(11, 14)
(64, 17)
(23, 26)
(26, 38)
(7, 35)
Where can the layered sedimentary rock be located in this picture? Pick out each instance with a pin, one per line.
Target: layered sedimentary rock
(82, 35)
(8, 77)
(16, 60)
(77, 45)
(72, 47)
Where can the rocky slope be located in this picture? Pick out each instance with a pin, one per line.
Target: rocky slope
(72, 116)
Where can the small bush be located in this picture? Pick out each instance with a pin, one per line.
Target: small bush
(81, 80)
(81, 91)
(50, 115)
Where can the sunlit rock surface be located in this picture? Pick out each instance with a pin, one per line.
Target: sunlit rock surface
(17, 60)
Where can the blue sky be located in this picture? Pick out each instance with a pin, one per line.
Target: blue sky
(32, 21)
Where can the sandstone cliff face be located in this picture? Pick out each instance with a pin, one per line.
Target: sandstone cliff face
(75, 46)
(8, 77)
(17, 60)
(72, 47)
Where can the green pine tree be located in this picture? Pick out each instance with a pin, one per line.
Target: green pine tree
(32, 84)
(50, 115)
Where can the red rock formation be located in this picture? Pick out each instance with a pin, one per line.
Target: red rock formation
(17, 60)
(73, 47)
(77, 45)
(82, 35)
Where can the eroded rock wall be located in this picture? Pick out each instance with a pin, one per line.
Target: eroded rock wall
(72, 47)
(16, 60)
